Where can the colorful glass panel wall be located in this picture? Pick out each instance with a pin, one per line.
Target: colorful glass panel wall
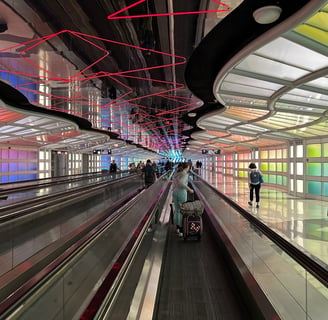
(18, 164)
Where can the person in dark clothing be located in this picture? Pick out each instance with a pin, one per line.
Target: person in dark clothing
(148, 173)
(254, 179)
(113, 166)
(168, 165)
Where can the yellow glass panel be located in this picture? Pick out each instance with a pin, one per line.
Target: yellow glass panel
(272, 154)
(264, 154)
(279, 154)
(318, 35)
(319, 20)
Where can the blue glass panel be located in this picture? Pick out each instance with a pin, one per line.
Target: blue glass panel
(13, 166)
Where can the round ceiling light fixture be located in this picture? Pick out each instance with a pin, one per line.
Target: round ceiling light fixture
(267, 14)
(192, 114)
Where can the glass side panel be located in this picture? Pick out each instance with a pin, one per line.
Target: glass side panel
(271, 68)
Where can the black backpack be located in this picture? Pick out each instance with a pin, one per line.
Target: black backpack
(255, 177)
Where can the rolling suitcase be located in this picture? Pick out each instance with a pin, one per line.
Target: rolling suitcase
(192, 226)
(192, 219)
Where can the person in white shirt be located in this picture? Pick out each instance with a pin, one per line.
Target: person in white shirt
(180, 189)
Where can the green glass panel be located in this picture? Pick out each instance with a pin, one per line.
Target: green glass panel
(279, 167)
(284, 181)
(313, 150)
(325, 169)
(313, 169)
(272, 166)
(284, 167)
(325, 189)
(325, 149)
(314, 187)
(279, 180)
(266, 178)
(243, 174)
(264, 166)
(273, 178)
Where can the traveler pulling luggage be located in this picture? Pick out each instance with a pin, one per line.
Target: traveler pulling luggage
(192, 219)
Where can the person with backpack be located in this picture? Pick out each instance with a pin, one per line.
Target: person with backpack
(254, 179)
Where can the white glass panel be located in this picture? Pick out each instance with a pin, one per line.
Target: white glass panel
(221, 119)
(7, 129)
(281, 106)
(299, 168)
(300, 186)
(27, 132)
(292, 168)
(235, 100)
(294, 54)
(42, 166)
(299, 151)
(252, 127)
(307, 97)
(320, 83)
(271, 68)
(228, 86)
(28, 120)
(291, 184)
(253, 82)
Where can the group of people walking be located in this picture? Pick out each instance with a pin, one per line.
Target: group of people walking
(181, 187)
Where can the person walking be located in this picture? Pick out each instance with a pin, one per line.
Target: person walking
(113, 166)
(254, 179)
(180, 189)
(149, 173)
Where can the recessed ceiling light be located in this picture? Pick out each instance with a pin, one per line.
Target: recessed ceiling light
(267, 14)
(192, 114)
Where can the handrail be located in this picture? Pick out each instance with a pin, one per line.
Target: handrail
(49, 178)
(110, 280)
(317, 268)
(55, 181)
(31, 205)
(79, 241)
(76, 249)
